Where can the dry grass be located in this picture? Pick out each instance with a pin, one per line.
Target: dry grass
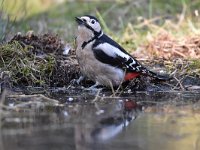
(167, 46)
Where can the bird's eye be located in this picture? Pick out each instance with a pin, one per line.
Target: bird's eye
(93, 21)
(84, 20)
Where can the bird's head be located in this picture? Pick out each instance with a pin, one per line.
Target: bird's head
(89, 24)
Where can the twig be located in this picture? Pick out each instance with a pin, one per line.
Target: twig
(112, 88)
(34, 96)
(97, 96)
(179, 82)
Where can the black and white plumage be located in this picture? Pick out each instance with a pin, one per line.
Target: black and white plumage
(102, 59)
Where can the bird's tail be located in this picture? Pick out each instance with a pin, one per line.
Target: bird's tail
(158, 76)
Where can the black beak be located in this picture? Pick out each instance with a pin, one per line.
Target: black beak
(79, 21)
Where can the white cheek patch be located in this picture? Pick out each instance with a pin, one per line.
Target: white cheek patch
(97, 27)
(112, 51)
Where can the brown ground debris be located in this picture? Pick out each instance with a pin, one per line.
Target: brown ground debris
(166, 46)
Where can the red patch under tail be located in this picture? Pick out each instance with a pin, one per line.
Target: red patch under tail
(130, 76)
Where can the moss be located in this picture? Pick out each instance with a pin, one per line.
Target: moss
(195, 66)
(25, 68)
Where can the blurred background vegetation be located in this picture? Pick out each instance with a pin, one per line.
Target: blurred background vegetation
(127, 21)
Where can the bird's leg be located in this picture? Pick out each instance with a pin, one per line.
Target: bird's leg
(76, 81)
(93, 87)
(81, 78)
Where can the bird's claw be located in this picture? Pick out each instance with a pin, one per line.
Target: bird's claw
(77, 81)
(93, 87)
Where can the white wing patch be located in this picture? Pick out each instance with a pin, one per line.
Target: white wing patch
(133, 62)
(112, 51)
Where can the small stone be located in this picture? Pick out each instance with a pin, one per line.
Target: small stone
(100, 112)
(70, 99)
(66, 49)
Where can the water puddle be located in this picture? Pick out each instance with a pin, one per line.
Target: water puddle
(87, 121)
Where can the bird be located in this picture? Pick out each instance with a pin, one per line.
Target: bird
(103, 60)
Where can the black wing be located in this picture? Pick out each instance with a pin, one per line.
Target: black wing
(113, 54)
(109, 52)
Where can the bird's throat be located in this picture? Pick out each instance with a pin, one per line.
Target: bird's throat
(96, 36)
(87, 42)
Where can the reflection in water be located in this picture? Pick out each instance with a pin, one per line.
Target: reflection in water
(153, 123)
(106, 128)
(110, 126)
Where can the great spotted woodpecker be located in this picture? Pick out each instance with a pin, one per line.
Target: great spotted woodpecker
(103, 60)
